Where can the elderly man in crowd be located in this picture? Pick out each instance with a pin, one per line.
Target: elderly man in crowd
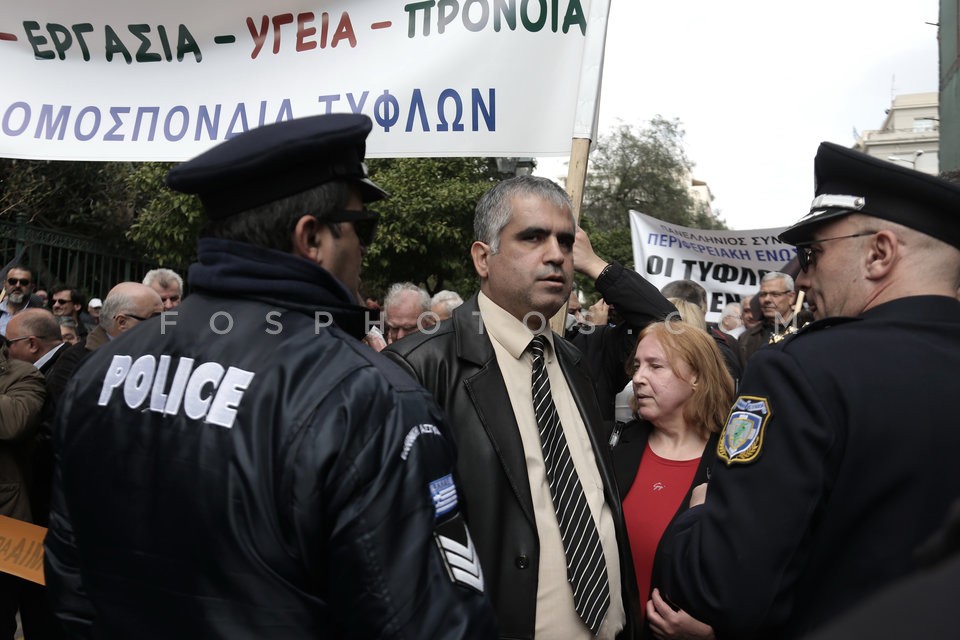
(168, 283)
(730, 319)
(444, 302)
(777, 297)
(34, 336)
(406, 309)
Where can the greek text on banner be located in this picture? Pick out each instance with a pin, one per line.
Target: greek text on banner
(119, 80)
(728, 264)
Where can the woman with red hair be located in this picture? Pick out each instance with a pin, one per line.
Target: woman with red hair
(682, 394)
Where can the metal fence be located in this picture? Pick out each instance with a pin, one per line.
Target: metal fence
(66, 259)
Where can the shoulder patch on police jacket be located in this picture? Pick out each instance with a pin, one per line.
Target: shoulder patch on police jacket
(742, 437)
(458, 553)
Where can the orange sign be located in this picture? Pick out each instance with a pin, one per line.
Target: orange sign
(21, 549)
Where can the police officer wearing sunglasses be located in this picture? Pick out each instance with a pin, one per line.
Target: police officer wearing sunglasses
(839, 457)
(243, 466)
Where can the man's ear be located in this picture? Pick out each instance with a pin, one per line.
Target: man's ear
(480, 252)
(307, 239)
(883, 251)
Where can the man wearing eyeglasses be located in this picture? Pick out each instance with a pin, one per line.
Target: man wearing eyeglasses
(777, 297)
(67, 302)
(838, 459)
(18, 285)
(243, 466)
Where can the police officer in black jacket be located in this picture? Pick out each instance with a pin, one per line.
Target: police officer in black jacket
(244, 467)
(839, 456)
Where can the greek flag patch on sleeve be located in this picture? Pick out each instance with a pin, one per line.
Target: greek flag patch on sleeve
(742, 437)
(443, 492)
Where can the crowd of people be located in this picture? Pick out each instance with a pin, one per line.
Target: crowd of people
(275, 455)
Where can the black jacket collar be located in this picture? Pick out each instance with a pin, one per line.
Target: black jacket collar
(240, 270)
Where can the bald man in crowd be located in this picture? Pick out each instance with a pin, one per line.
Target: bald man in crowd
(127, 305)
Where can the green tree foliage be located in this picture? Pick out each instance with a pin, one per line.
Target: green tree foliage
(83, 198)
(426, 226)
(424, 236)
(168, 223)
(645, 170)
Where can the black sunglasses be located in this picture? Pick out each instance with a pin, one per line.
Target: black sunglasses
(364, 222)
(807, 255)
(24, 282)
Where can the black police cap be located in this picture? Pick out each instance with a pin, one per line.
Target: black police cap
(849, 181)
(276, 161)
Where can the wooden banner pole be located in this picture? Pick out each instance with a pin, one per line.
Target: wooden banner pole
(576, 179)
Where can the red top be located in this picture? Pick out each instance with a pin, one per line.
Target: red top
(649, 507)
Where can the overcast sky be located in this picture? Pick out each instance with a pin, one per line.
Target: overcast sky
(757, 85)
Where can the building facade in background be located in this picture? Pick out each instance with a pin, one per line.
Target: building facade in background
(909, 135)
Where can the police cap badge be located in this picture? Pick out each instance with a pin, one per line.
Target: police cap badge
(849, 181)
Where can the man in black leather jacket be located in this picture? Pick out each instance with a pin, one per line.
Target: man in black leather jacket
(243, 467)
(478, 366)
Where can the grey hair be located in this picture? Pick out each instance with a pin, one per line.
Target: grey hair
(449, 299)
(113, 305)
(164, 278)
(67, 321)
(728, 309)
(42, 324)
(777, 275)
(397, 288)
(494, 208)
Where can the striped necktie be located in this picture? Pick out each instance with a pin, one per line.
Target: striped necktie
(586, 567)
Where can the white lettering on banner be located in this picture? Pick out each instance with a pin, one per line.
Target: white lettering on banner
(146, 378)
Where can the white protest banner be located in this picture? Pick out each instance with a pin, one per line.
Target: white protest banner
(136, 80)
(728, 264)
